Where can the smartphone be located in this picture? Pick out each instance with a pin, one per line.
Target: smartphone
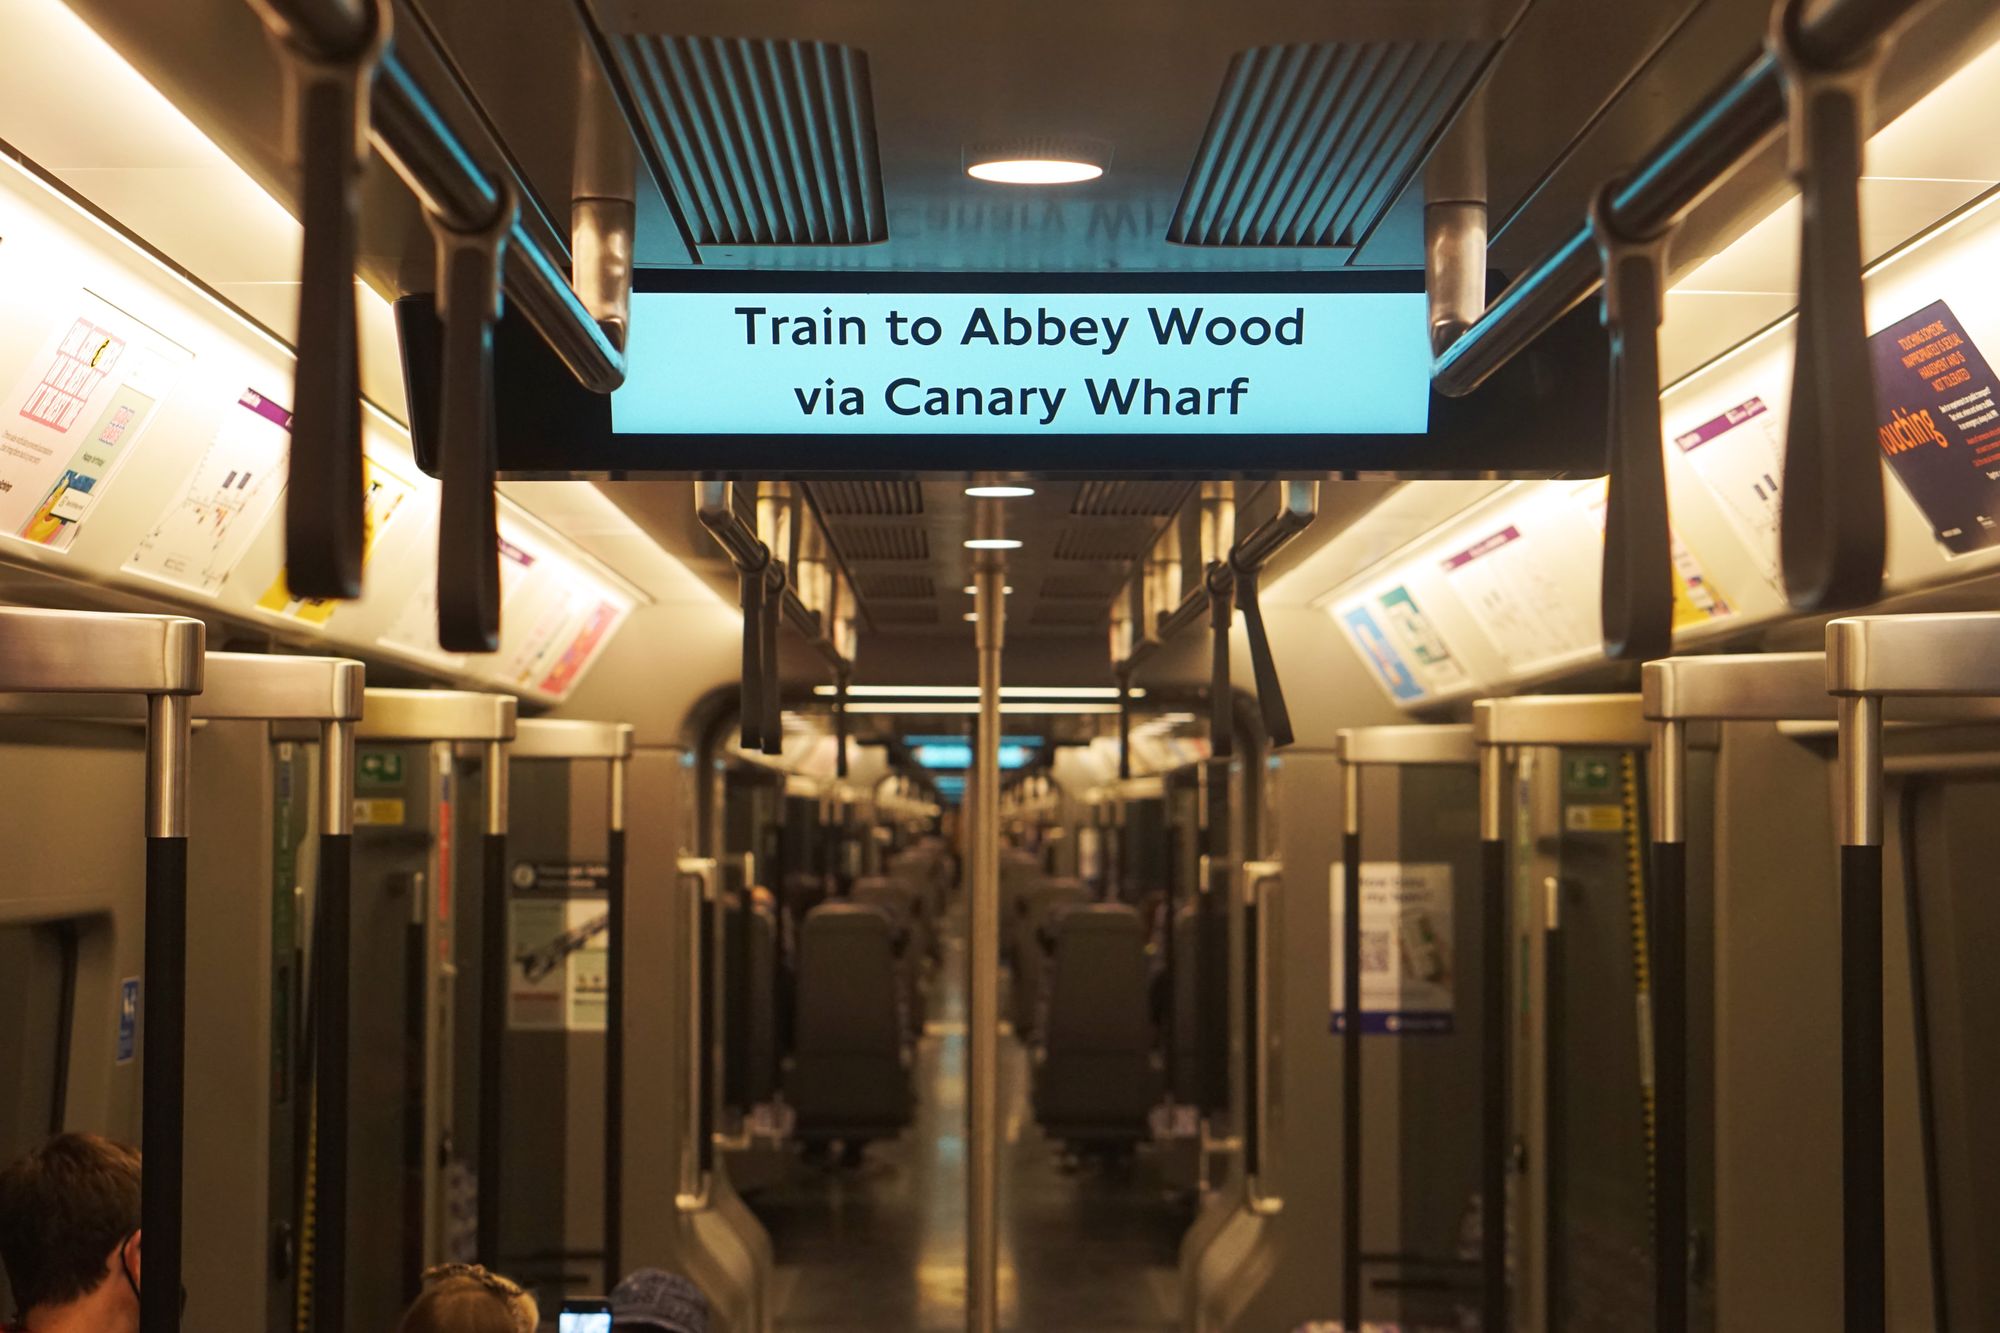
(585, 1314)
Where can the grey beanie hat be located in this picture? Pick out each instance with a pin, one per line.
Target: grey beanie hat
(650, 1298)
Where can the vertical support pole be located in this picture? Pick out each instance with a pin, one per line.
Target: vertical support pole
(332, 942)
(492, 1001)
(982, 1307)
(1496, 1315)
(163, 1068)
(1350, 1045)
(1669, 1003)
(614, 1028)
(1864, 1233)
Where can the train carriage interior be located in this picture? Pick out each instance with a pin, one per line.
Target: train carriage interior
(771, 667)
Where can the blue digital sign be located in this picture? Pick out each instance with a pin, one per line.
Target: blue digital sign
(958, 754)
(757, 362)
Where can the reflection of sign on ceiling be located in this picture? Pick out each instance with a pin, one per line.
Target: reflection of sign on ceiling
(1050, 363)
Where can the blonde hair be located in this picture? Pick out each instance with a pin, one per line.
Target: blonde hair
(465, 1298)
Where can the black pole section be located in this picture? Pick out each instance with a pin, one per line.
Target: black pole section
(1670, 1087)
(1124, 724)
(492, 1037)
(1555, 1121)
(839, 726)
(1350, 1071)
(1861, 1131)
(614, 1058)
(332, 941)
(1493, 1090)
(1920, 1021)
(163, 1079)
(1253, 1007)
(704, 1118)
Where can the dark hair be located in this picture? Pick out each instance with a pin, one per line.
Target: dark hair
(64, 1208)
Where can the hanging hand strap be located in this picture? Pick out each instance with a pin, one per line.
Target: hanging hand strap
(1637, 597)
(1832, 524)
(1263, 665)
(750, 694)
(326, 114)
(771, 703)
(469, 302)
(1221, 610)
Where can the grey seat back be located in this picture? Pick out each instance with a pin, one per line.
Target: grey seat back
(1098, 1079)
(848, 1077)
(1036, 908)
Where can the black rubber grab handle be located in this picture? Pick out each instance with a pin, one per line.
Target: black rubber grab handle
(1496, 1315)
(1221, 610)
(493, 967)
(1637, 596)
(1864, 1234)
(772, 702)
(1668, 931)
(1263, 665)
(468, 573)
(750, 694)
(332, 945)
(1833, 525)
(163, 1082)
(324, 529)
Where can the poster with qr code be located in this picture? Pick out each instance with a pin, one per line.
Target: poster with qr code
(1408, 972)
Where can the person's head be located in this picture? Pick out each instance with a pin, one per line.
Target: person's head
(69, 1227)
(652, 1301)
(465, 1298)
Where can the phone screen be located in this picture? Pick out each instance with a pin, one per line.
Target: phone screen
(585, 1317)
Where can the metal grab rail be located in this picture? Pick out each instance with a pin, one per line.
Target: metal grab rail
(1732, 123)
(159, 657)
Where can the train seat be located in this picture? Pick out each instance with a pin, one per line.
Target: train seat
(1035, 908)
(1098, 1079)
(850, 1076)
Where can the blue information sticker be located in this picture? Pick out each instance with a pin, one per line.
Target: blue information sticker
(128, 1019)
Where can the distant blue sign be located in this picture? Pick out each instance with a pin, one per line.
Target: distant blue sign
(128, 1019)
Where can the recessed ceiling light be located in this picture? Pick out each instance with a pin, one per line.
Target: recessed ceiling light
(972, 590)
(992, 544)
(972, 615)
(999, 492)
(1044, 160)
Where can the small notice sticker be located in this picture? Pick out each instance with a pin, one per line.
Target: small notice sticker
(1594, 818)
(128, 1019)
(379, 810)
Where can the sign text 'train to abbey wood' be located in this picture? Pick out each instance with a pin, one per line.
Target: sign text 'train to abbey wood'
(942, 363)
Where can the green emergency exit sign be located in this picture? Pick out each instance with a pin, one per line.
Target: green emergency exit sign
(379, 768)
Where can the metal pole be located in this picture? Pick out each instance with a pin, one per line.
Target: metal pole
(614, 1029)
(1669, 1004)
(1496, 1310)
(492, 1002)
(982, 1305)
(1350, 1047)
(1862, 1133)
(331, 945)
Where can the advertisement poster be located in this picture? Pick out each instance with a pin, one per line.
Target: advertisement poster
(75, 414)
(589, 632)
(1939, 425)
(224, 502)
(1537, 606)
(1408, 975)
(384, 497)
(1695, 599)
(415, 628)
(556, 963)
(1419, 639)
(1739, 457)
(1374, 645)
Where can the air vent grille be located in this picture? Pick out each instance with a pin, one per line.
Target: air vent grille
(896, 585)
(1104, 541)
(764, 142)
(904, 613)
(1310, 144)
(1121, 499)
(1097, 588)
(882, 541)
(1067, 613)
(868, 499)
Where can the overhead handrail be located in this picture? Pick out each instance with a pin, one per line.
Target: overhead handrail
(1636, 599)
(1833, 523)
(328, 88)
(159, 657)
(1725, 130)
(469, 304)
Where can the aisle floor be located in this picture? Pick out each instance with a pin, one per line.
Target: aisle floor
(881, 1248)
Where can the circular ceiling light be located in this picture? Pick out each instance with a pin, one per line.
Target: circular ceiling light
(972, 591)
(992, 544)
(1042, 160)
(999, 492)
